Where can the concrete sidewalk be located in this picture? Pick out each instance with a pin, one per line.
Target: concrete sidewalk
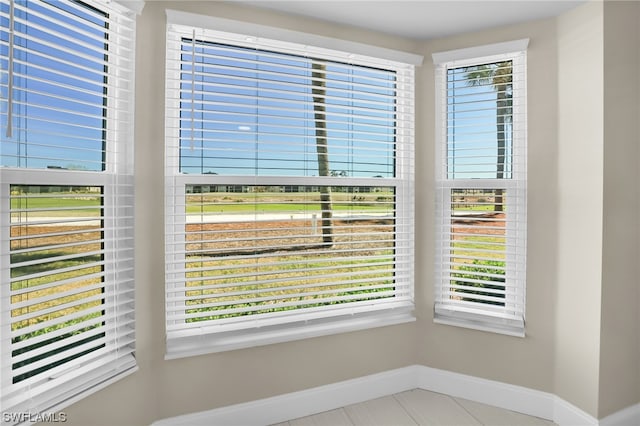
(244, 217)
(203, 218)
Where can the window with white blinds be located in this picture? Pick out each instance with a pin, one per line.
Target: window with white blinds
(66, 194)
(481, 187)
(289, 182)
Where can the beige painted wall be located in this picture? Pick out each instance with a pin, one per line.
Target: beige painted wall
(579, 209)
(597, 357)
(562, 352)
(620, 325)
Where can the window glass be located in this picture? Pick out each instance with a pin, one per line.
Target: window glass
(256, 249)
(480, 121)
(481, 190)
(57, 276)
(252, 112)
(59, 86)
(289, 188)
(66, 231)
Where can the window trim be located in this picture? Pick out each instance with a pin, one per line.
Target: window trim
(313, 43)
(469, 317)
(208, 338)
(207, 342)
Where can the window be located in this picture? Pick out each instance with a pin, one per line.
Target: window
(66, 212)
(481, 187)
(289, 191)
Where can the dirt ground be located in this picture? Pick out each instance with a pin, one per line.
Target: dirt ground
(287, 235)
(249, 235)
(487, 224)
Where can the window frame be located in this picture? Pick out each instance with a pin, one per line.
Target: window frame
(209, 337)
(116, 359)
(509, 320)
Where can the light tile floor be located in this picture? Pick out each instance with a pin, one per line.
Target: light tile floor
(418, 407)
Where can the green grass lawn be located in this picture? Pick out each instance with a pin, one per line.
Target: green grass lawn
(300, 284)
(87, 205)
(479, 246)
(74, 205)
(250, 207)
(286, 202)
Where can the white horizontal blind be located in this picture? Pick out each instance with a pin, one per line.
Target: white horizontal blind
(481, 196)
(66, 194)
(289, 183)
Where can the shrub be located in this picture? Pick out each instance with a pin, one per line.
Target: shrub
(486, 270)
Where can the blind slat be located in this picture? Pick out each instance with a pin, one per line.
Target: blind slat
(76, 346)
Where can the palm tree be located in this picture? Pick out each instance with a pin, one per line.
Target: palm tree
(319, 93)
(500, 75)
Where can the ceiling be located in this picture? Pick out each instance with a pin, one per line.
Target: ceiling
(422, 19)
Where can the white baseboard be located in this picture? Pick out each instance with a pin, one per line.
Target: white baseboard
(303, 403)
(567, 414)
(324, 398)
(498, 394)
(630, 416)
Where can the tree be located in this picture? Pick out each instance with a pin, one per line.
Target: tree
(319, 94)
(500, 75)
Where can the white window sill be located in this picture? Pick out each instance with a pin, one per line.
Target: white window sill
(477, 321)
(87, 380)
(180, 347)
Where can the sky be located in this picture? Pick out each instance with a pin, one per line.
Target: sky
(258, 118)
(59, 88)
(471, 128)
